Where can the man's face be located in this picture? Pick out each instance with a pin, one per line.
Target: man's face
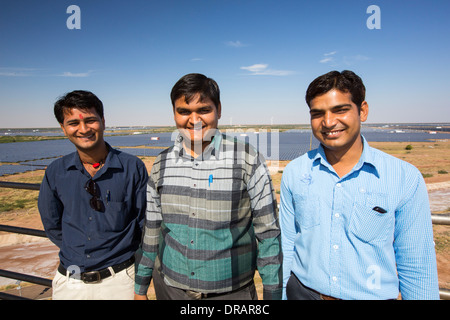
(335, 120)
(84, 128)
(197, 120)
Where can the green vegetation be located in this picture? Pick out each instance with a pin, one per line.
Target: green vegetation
(10, 139)
(408, 147)
(8, 204)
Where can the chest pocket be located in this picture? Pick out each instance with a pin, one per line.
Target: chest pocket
(307, 209)
(369, 225)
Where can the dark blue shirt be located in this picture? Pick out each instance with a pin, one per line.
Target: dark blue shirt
(89, 239)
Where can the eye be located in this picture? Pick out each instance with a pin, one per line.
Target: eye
(205, 110)
(315, 114)
(341, 110)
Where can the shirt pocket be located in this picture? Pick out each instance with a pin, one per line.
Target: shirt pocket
(368, 225)
(307, 209)
(115, 218)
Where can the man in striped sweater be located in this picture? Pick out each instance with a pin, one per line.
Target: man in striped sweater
(212, 218)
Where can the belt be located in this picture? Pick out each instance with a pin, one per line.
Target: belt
(323, 296)
(97, 276)
(199, 295)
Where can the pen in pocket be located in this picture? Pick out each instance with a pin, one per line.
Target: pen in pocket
(210, 180)
(379, 209)
(108, 196)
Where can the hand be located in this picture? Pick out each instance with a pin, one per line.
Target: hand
(140, 297)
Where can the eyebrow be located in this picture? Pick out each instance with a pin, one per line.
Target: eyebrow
(181, 108)
(334, 108)
(84, 119)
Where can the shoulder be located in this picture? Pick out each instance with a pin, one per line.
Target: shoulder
(61, 164)
(304, 161)
(391, 164)
(127, 159)
(130, 163)
(243, 148)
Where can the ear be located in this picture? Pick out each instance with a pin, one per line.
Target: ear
(63, 129)
(103, 123)
(219, 110)
(364, 113)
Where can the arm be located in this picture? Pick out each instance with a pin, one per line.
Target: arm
(413, 244)
(288, 231)
(50, 209)
(141, 195)
(267, 230)
(146, 255)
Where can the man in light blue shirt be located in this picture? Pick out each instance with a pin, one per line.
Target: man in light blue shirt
(355, 222)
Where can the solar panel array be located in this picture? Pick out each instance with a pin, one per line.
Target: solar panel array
(288, 145)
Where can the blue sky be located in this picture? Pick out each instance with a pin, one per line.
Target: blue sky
(263, 54)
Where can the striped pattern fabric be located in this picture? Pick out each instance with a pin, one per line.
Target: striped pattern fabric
(211, 221)
(337, 242)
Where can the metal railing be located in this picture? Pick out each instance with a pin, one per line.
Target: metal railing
(437, 219)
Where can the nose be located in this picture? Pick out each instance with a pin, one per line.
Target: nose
(195, 118)
(82, 128)
(329, 120)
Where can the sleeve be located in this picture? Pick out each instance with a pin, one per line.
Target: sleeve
(288, 231)
(51, 210)
(267, 230)
(414, 245)
(141, 195)
(148, 251)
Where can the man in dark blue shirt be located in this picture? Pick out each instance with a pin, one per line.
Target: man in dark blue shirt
(92, 204)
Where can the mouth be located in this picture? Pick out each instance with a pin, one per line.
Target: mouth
(90, 137)
(332, 133)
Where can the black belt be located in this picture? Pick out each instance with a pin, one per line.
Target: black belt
(199, 295)
(97, 276)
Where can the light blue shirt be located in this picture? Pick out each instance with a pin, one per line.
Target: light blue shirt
(336, 244)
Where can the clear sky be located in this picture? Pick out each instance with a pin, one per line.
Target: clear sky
(263, 54)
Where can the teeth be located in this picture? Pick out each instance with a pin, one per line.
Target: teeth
(332, 133)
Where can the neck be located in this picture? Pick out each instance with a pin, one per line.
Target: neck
(97, 155)
(343, 161)
(195, 149)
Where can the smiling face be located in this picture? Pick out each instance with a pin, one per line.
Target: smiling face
(197, 121)
(336, 122)
(84, 128)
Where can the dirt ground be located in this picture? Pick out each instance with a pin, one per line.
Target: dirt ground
(39, 257)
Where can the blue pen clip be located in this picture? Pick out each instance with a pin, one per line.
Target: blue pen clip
(210, 180)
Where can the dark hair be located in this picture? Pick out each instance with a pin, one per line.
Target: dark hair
(77, 99)
(345, 81)
(196, 83)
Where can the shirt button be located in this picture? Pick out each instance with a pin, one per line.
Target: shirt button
(337, 215)
(334, 279)
(335, 247)
(90, 218)
(338, 185)
(192, 273)
(88, 256)
(192, 241)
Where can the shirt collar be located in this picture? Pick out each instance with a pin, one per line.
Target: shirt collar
(112, 160)
(212, 150)
(367, 157)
